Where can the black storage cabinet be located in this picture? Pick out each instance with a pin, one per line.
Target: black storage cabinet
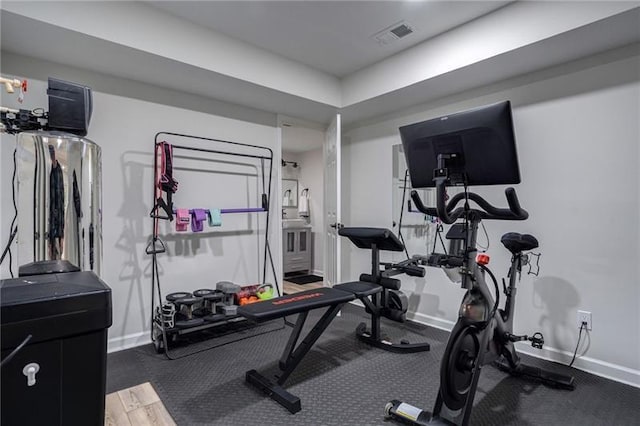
(68, 315)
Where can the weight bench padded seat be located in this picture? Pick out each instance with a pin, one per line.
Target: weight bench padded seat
(360, 289)
(299, 303)
(303, 301)
(364, 238)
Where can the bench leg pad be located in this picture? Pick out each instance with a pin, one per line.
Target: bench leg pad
(274, 391)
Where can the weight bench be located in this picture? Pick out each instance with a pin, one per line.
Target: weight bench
(380, 293)
(299, 303)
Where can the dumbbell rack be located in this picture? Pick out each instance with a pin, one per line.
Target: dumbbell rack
(169, 315)
(161, 332)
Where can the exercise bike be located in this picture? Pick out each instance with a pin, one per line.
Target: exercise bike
(483, 333)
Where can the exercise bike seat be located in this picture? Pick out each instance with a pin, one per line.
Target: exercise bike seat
(359, 289)
(516, 243)
(365, 238)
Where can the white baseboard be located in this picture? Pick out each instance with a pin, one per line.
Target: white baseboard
(434, 322)
(127, 342)
(420, 318)
(317, 272)
(594, 366)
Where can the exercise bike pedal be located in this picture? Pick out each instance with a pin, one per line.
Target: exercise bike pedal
(537, 340)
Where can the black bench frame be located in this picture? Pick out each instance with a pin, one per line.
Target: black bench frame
(294, 352)
(372, 290)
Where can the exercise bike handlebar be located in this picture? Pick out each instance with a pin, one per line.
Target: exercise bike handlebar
(410, 269)
(448, 213)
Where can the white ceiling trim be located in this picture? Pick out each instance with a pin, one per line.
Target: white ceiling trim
(513, 27)
(151, 30)
(142, 43)
(622, 32)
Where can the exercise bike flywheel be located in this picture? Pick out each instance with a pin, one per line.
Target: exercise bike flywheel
(456, 370)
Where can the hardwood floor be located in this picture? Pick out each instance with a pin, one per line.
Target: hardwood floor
(136, 406)
(290, 288)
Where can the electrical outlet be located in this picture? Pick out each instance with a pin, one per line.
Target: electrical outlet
(584, 316)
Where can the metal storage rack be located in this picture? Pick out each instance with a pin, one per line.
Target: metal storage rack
(161, 334)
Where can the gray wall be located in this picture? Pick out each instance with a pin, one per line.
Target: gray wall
(126, 117)
(578, 136)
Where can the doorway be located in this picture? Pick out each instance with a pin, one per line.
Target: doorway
(302, 174)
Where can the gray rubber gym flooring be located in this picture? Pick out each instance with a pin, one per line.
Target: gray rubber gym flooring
(345, 382)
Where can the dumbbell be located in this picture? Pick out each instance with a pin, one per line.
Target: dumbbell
(184, 303)
(210, 298)
(172, 297)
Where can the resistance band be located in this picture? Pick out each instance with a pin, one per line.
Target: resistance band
(165, 181)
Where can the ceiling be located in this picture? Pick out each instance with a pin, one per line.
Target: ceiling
(226, 76)
(299, 138)
(331, 36)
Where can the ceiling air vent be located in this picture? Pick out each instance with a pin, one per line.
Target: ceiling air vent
(394, 32)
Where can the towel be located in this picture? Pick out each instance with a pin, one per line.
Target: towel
(286, 198)
(303, 206)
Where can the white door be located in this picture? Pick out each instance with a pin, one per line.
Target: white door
(332, 203)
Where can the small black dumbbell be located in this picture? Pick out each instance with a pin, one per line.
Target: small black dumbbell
(186, 305)
(208, 309)
(172, 297)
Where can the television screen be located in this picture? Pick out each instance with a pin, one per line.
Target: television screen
(478, 147)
